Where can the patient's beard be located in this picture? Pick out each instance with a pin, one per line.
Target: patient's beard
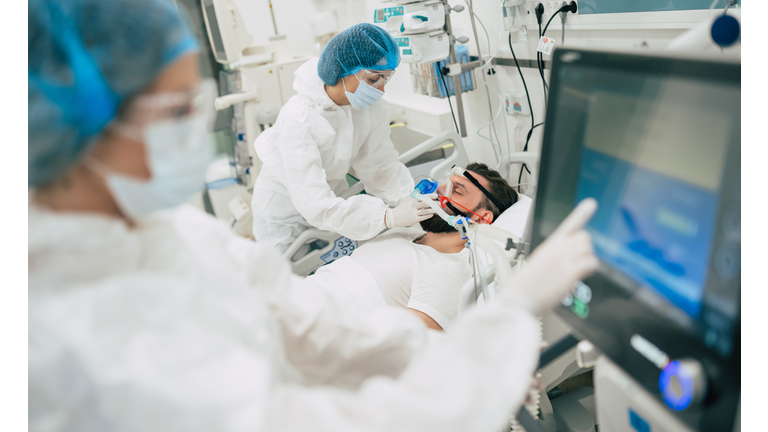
(436, 224)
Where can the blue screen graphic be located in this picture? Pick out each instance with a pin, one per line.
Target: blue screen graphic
(654, 228)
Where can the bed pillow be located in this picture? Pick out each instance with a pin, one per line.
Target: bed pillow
(514, 218)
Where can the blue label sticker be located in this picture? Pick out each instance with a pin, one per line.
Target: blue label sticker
(407, 51)
(638, 423)
(402, 42)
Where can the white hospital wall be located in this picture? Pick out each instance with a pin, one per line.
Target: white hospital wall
(638, 31)
(294, 18)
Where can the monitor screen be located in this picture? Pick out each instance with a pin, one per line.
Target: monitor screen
(653, 157)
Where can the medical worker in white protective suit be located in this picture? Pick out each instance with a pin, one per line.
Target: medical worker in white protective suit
(149, 316)
(334, 123)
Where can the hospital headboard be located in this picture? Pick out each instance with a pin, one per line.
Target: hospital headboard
(458, 157)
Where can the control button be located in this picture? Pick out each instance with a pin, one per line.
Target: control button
(731, 223)
(728, 261)
(682, 383)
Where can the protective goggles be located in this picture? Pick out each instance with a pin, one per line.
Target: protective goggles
(170, 106)
(374, 78)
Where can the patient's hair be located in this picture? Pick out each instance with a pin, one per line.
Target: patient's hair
(499, 188)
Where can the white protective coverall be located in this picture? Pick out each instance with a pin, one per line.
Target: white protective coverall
(180, 325)
(306, 156)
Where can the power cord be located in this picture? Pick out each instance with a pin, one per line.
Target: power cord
(524, 167)
(572, 8)
(527, 95)
(448, 96)
(530, 109)
(539, 58)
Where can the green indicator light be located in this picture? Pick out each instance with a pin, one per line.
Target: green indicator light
(580, 308)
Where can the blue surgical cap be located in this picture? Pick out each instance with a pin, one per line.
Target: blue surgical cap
(85, 58)
(362, 46)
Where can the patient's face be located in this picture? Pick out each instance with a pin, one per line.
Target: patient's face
(465, 194)
(469, 196)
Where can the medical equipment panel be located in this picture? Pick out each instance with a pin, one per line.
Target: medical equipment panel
(422, 48)
(657, 141)
(411, 18)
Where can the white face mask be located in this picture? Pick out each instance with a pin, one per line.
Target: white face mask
(364, 96)
(179, 152)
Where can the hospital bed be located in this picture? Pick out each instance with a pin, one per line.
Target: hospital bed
(336, 246)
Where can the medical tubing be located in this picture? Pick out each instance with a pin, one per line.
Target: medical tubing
(491, 123)
(433, 204)
(496, 233)
(483, 279)
(503, 269)
(478, 269)
(493, 76)
(482, 78)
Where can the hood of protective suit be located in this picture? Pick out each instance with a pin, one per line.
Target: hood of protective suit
(309, 84)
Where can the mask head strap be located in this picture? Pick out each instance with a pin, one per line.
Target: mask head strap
(446, 202)
(485, 192)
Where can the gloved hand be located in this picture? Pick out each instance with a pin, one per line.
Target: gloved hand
(557, 264)
(409, 212)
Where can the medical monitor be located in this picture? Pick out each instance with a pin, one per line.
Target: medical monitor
(656, 140)
(226, 30)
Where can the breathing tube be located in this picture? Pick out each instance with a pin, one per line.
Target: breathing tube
(426, 187)
(482, 235)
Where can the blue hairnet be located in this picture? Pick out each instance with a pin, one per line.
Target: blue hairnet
(362, 46)
(85, 58)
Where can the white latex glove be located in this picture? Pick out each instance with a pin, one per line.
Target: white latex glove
(564, 258)
(409, 212)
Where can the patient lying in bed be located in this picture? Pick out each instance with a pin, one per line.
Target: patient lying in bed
(419, 269)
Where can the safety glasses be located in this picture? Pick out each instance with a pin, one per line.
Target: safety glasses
(169, 106)
(374, 78)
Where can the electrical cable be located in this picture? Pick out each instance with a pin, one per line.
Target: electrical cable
(530, 108)
(540, 65)
(540, 56)
(523, 167)
(448, 96)
(550, 20)
(527, 95)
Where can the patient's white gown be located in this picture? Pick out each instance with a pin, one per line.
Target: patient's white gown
(180, 325)
(391, 270)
